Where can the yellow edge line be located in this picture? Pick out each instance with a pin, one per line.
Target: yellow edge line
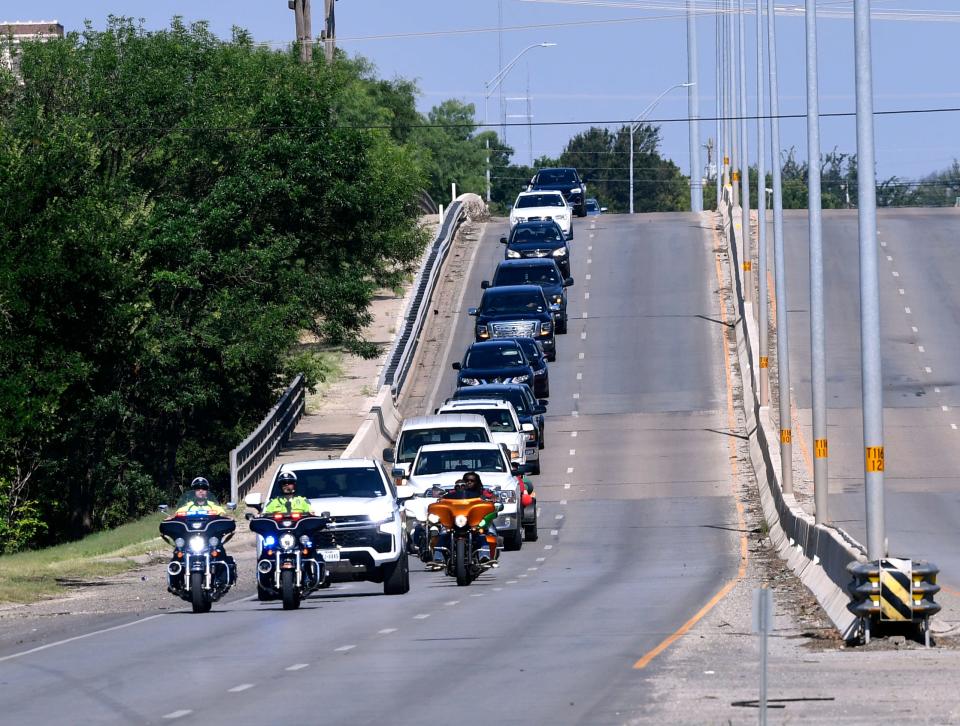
(644, 661)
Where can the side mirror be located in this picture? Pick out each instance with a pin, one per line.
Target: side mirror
(503, 240)
(471, 311)
(163, 508)
(568, 282)
(527, 427)
(254, 501)
(405, 491)
(540, 410)
(456, 365)
(398, 472)
(484, 285)
(543, 402)
(232, 506)
(387, 455)
(515, 467)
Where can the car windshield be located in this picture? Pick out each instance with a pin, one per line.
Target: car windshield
(537, 233)
(530, 348)
(498, 419)
(515, 302)
(556, 176)
(527, 275)
(493, 357)
(539, 200)
(413, 439)
(440, 462)
(363, 482)
(521, 402)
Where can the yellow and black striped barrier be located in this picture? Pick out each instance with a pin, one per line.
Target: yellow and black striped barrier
(894, 590)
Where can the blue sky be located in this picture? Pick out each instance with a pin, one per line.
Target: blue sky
(608, 71)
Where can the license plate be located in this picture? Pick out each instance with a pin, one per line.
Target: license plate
(330, 555)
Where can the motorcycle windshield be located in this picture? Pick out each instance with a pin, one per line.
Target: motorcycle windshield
(268, 525)
(207, 526)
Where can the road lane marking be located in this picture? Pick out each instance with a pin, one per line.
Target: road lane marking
(589, 248)
(563, 501)
(914, 328)
(576, 395)
(567, 485)
(241, 687)
(554, 532)
(548, 547)
(574, 413)
(511, 582)
(579, 376)
(928, 369)
(386, 631)
(936, 390)
(573, 434)
(421, 616)
(297, 667)
(476, 594)
(532, 569)
(79, 637)
(906, 310)
(589, 276)
(178, 714)
(953, 426)
(344, 648)
(569, 469)
(645, 660)
(523, 575)
(944, 408)
(573, 452)
(580, 356)
(901, 291)
(583, 335)
(589, 261)
(541, 559)
(584, 315)
(497, 589)
(896, 274)
(882, 243)
(559, 516)
(586, 296)
(889, 258)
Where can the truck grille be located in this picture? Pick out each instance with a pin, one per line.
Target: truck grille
(515, 329)
(365, 537)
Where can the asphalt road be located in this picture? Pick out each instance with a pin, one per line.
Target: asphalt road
(638, 532)
(920, 344)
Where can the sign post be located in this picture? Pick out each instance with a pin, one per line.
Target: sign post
(763, 624)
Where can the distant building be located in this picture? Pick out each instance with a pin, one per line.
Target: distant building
(12, 34)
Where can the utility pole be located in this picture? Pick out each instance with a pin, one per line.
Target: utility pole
(488, 171)
(818, 376)
(329, 29)
(721, 167)
(693, 108)
(780, 277)
(744, 165)
(734, 143)
(304, 29)
(869, 288)
(763, 306)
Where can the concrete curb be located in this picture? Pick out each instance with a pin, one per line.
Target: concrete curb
(817, 554)
(378, 430)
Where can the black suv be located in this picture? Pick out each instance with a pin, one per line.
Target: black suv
(516, 311)
(567, 181)
(532, 271)
(494, 361)
(538, 240)
(538, 361)
(529, 409)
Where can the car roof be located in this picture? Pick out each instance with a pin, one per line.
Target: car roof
(537, 222)
(447, 421)
(476, 403)
(327, 464)
(484, 445)
(539, 191)
(528, 262)
(557, 168)
(506, 289)
(495, 343)
(523, 341)
(495, 387)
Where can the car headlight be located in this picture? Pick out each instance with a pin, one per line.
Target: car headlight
(460, 520)
(512, 254)
(482, 331)
(531, 436)
(546, 328)
(519, 219)
(197, 544)
(521, 379)
(433, 518)
(469, 382)
(555, 307)
(287, 541)
(558, 299)
(560, 217)
(560, 252)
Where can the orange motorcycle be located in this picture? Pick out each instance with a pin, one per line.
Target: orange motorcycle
(462, 519)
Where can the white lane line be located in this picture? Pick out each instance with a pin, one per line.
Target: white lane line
(580, 356)
(421, 616)
(554, 532)
(539, 511)
(81, 637)
(576, 395)
(241, 687)
(914, 328)
(882, 243)
(386, 631)
(569, 469)
(476, 594)
(936, 390)
(906, 310)
(584, 315)
(541, 559)
(591, 235)
(889, 258)
(548, 547)
(953, 426)
(297, 667)
(579, 376)
(452, 602)
(563, 501)
(567, 485)
(896, 274)
(583, 335)
(344, 648)
(178, 714)
(589, 248)
(928, 369)
(523, 575)
(532, 569)
(901, 291)
(497, 589)
(573, 434)
(921, 349)
(589, 261)
(944, 408)
(559, 517)
(573, 452)
(511, 582)
(586, 296)
(589, 276)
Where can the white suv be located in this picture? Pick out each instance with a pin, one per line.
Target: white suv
(505, 428)
(533, 206)
(366, 536)
(442, 465)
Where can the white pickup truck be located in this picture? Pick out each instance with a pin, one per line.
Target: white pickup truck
(505, 428)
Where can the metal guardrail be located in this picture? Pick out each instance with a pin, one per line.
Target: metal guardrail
(426, 203)
(405, 344)
(256, 452)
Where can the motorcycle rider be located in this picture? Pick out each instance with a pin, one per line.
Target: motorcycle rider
(471, 487)
(197, 500)
(288, 501)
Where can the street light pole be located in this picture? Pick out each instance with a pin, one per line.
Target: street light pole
(744, 167)
(763, 306)
(494, 83)
(693, 109)
(635, 124)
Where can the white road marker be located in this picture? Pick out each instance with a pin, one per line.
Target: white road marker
(589, 261)
(559, 517)
(576, 395)
(921, 349)
(567, 485)
(914, 328)
(580, 356)
(421, 616)
(906, 310)
(297, 667)
(541, 559)
(569, 469)
(573, 452)
(241, 687)
(944, 408)
(386, 631)
(586, 296)
(563, 501)
(584, 315)
(589, 248)
(882, 243)
(573, 434)
(511, 582)
(901, 291)
(896, 274)
(554, 532)
(574, 413)
(476, 594)
(591, 235)
(583, 335)
(589, 276)
(344, 648)
(928, 369)
(178, 714)
(953, 426)
(579, 376)
(936, 390)
(532, 569)
(889, 258)
(497, 589)
(548, 547)
(523, 575)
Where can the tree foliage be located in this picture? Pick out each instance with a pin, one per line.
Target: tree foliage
(177, 210)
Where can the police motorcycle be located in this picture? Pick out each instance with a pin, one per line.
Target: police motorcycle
(200, 571)
(289, 567)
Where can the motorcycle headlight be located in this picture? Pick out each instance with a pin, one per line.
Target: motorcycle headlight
(560, 252)
(469, 382)
(305, 541)
(179, 542)
(460, 520)
(513, 254)
(287, 541)
(197, 544)
(521, 379)
(214, 541)
(433, 519)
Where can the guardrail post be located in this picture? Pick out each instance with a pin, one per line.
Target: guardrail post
(233, 476)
